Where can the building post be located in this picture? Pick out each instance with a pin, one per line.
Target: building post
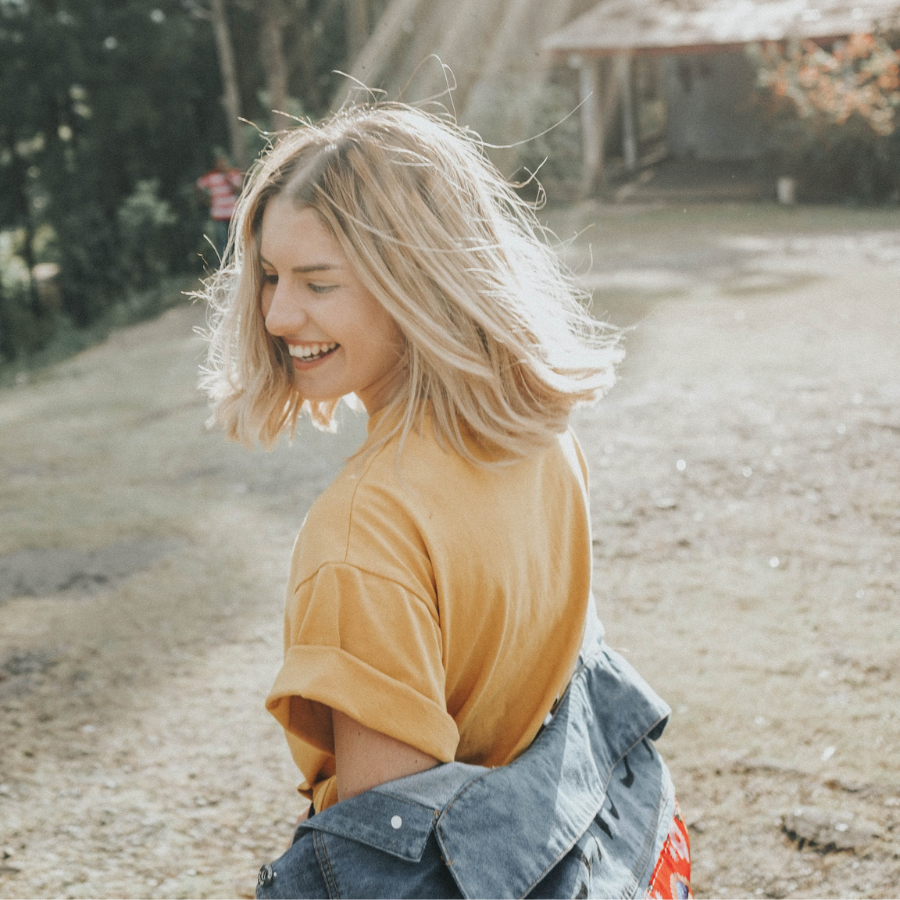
(629, 123)
(592, 124)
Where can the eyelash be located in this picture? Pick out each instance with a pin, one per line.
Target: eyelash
(315, 288)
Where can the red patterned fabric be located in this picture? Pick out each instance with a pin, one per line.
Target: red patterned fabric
(223, 189)
(672, 876)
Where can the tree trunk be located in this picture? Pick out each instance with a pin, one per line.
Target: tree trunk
(273, 19)
(301, 51)
(231, 98)
(369, 66)
(37, 309)
(463, 45)
(357, 28)
(21, 204)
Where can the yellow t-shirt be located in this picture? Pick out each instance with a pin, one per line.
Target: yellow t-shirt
(435, 601)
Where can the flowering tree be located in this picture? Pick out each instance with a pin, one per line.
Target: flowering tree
(860, 76)
(835, 114)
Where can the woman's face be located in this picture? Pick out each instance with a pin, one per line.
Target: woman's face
(341, 339)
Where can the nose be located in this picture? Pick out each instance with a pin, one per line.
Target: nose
(284, 312)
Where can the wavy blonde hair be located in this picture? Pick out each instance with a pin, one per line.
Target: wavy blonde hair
(497, 338)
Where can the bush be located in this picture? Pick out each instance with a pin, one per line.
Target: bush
(28, 311)
(19, 328)
(144, 224)
(86, 246)
(834, 117)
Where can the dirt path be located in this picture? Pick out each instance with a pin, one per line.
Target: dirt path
(746, 489)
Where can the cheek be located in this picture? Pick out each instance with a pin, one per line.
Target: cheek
(385, 337)
(394, 337)
(391, 346)
(382, 324)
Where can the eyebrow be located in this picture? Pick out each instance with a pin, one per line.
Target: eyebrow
(303, 270)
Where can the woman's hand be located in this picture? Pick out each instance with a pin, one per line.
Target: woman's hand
(365, 758)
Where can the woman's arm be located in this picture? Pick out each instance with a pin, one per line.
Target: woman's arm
(365, 758)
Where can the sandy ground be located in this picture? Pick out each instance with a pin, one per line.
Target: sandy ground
(746, 507)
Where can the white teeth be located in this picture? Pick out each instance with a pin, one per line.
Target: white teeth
(310, 351)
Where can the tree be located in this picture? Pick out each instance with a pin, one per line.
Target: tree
(357, 27)
(834, 115)
(231, 100)
(858, 77)
(110, 110)
(95, 97)
(273, 19)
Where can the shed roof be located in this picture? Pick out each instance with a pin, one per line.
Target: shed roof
(685, 25)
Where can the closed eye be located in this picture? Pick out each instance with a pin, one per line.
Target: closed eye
(270, 278)
(322, 288)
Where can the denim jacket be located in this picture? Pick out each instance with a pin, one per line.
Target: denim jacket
(583, 812)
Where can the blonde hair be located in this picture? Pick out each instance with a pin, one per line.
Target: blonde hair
(497, 339)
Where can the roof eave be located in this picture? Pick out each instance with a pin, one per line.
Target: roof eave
(563, 52)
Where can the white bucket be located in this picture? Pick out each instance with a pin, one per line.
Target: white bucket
(786, 188)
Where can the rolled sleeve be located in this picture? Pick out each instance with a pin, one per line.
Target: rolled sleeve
(370, 647)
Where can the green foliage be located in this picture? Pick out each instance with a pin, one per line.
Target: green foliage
(28, 308)
(20, 328)
(99, 99)
(831, 162)
(834, 117)
(109, 111)
(144, 220)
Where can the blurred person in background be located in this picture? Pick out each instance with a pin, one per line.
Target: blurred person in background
(219, 189)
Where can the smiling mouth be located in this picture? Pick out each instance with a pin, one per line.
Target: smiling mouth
(311, 352)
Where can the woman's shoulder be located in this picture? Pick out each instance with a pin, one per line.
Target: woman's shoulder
(413, 473)
(395, 500)
(368, 517)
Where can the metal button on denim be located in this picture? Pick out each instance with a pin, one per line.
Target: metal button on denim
(396, 822)
(266, 875)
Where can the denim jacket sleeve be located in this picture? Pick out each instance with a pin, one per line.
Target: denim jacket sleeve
(583, 812)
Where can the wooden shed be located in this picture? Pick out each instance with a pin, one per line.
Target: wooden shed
(695, 53)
